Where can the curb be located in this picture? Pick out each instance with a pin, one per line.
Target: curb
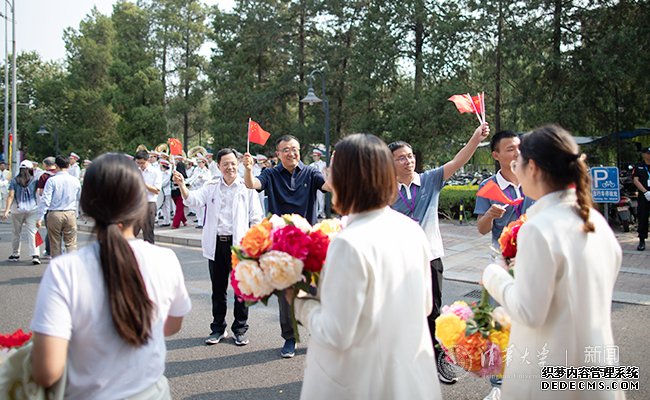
(158, 237)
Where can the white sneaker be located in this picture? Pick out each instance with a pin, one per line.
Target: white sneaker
(495, 394)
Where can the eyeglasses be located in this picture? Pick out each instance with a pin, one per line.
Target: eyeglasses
(288, 150)
(405, 158)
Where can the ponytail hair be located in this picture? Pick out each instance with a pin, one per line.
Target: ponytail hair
(113, 195)
(556, 153)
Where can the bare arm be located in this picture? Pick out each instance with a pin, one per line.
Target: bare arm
(635, 180)
(10, 200)
(250, 181)
(180, 181)
(172, 325)
(466, 152)
(152, 188)
(484, 221)
(48, 359)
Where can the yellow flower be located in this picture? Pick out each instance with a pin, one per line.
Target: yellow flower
(449, 328)
(500, 338)
(328, 226)
(258, 239)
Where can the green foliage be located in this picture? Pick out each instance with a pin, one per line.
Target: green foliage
(451, 198)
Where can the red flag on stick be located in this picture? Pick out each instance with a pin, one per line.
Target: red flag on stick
(470, 104)
(256, 134)
(175, 146)
(38, 239)
(492, 191)
(462, 103)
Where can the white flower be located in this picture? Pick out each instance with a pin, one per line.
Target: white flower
(278, 222)
(501, 316)
(298, 221)
(251, 279)
(281, 269)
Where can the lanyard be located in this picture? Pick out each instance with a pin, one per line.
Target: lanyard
(518, 206)
(409, 204)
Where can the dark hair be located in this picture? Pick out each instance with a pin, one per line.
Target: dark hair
(24, 176)
(363, 174)
(494, 141)
(225, 152)
(557, 155)
(113, 193)
(141, 155)
(62, 162)
(49, 161)
(393, 147)
(285, 138)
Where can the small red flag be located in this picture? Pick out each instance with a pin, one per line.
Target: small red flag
(256, 134)
(175, 146)
(38, 239)
(462, 103)
(492, 191)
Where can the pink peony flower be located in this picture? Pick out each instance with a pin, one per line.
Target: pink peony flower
(291, 240)
(460, 308)
(317, 251)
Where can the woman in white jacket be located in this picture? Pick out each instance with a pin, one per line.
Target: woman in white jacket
(368, 325)
(565, 269)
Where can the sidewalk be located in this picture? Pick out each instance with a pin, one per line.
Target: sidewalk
(467, 253)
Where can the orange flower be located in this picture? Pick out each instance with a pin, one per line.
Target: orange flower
(234, 260)
(468, 351)
(508, 238)
(258, 239)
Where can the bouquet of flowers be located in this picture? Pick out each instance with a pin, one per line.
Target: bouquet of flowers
(475, 337)
(10, 342)
(279, 253)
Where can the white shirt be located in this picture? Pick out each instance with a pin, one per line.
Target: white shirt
(200, 176)
(72, 304)
(166, 182)
(407, 188)
(152, 177)
(504, 183)
(560, 301)
(74, 170)
(246, 211)
(369, 333)
(60, 193)
(224, 223)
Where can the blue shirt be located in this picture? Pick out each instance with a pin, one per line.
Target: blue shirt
(512, 212)
(60, 193)
(292, 193)
(24, 196)
(423, 205)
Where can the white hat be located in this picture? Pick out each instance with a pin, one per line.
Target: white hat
(26, 164)
(318, 151)
(202, 158)
(165, 163)
(73, 154)
(261, 157)
(87, 162)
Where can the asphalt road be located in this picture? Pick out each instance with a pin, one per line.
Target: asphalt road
(256, 371)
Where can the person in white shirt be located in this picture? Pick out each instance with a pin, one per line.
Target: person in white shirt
(319, 165)
(153, 184)
(231, 210)
(60, 196)
(213, 166)
(74, 169)
(103, 312)
(166, 207)
(368, 324)
(197, 180)
(567, 262)
(5, 177)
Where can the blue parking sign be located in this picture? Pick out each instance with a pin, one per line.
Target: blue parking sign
(605, 185)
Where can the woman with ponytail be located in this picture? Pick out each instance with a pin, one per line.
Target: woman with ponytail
(565, 269)
(104, 311)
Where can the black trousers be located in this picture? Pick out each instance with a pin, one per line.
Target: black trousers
(643, 209)
(220, 276)
(436, 288)
(147, 224)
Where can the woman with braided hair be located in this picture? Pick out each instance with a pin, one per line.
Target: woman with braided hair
(104, 311)
(565, 269)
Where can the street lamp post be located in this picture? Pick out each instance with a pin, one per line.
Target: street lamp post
(43, 131)
(311, 98)
(13, 89)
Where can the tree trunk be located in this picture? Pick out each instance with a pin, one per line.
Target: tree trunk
(301, 62)
(497, 80)
(419, 44)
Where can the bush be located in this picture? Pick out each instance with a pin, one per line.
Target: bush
(450, 200)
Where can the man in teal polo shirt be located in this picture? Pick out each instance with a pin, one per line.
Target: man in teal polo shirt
(291, 187)
(418, 198)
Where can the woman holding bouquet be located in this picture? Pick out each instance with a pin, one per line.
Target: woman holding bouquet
(104, 311)
(368, 324)
(565, 269)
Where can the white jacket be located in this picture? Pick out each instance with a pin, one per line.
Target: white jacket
(247, 211)
(369, 333)
(560, 298)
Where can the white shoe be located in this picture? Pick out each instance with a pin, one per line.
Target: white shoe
(495, 394)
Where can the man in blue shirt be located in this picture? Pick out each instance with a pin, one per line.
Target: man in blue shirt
(418, 196)
(493, 216)
(291, 188)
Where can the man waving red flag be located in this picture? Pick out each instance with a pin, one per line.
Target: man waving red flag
(256, 134)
